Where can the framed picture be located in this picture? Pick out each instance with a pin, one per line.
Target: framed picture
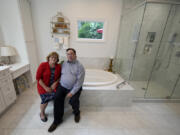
(90, 30)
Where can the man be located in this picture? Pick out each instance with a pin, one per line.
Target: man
(71, 81)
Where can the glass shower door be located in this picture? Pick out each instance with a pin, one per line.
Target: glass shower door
(130, 26)
(176, 91)
(164, 81)
(154, 22)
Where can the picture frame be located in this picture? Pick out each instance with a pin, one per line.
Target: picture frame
(91, 30)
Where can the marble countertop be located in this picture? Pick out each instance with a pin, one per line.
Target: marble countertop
(4, 68)
(17, 66)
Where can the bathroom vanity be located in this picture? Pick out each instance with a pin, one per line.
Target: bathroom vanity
(7, 91)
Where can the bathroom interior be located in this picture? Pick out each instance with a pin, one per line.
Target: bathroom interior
(134, 70)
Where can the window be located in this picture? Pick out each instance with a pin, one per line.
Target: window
(90, 30)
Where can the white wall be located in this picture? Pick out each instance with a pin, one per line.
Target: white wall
(1, 34)
(16, 29)
(11, 28)
(30, 42)
(43, 10)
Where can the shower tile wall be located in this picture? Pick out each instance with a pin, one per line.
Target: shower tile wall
(93, 63)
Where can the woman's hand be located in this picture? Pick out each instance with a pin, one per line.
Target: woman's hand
(53, 86)
(48, 89)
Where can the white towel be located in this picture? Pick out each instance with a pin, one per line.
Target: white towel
(66, 43)
(57, 46)
(56, 43)
(61, 40)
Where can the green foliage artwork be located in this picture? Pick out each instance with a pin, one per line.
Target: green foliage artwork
(90, 29)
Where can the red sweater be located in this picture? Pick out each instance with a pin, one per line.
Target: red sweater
(44, 73)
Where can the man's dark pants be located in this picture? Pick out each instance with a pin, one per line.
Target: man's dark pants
(59, 103)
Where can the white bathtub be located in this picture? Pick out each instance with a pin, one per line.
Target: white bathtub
(97, 77)
(100, 89)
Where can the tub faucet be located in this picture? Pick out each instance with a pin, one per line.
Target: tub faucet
(110, 65)
(121, 83)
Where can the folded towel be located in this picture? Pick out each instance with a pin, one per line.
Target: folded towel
(66, 43)
(57, 46)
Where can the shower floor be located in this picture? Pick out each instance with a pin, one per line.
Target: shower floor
(155, 90)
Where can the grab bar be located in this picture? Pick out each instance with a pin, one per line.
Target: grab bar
(118, 85)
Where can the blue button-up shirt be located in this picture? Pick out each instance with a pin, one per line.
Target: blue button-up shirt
(72, 75)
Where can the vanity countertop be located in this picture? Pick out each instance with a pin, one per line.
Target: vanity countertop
(16, 69)
(4, 68)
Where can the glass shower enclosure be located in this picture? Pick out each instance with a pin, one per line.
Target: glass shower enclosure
(148, 54)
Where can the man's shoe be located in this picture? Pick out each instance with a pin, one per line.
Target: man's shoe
(77, 118)
(52, 127)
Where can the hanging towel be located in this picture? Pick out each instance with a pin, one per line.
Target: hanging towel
(66, 43)
(56, 43)
(57, 46)
(61, 40)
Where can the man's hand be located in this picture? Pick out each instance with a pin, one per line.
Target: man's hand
(69, 95)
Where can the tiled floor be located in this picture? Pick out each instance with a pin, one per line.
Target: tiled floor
(139, 119)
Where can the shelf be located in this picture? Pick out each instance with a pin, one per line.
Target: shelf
(60, 23)
(62, 34)
(66, 29)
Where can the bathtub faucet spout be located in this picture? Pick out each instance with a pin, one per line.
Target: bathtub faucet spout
(121, 83)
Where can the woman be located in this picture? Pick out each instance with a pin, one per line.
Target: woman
(47, 77)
